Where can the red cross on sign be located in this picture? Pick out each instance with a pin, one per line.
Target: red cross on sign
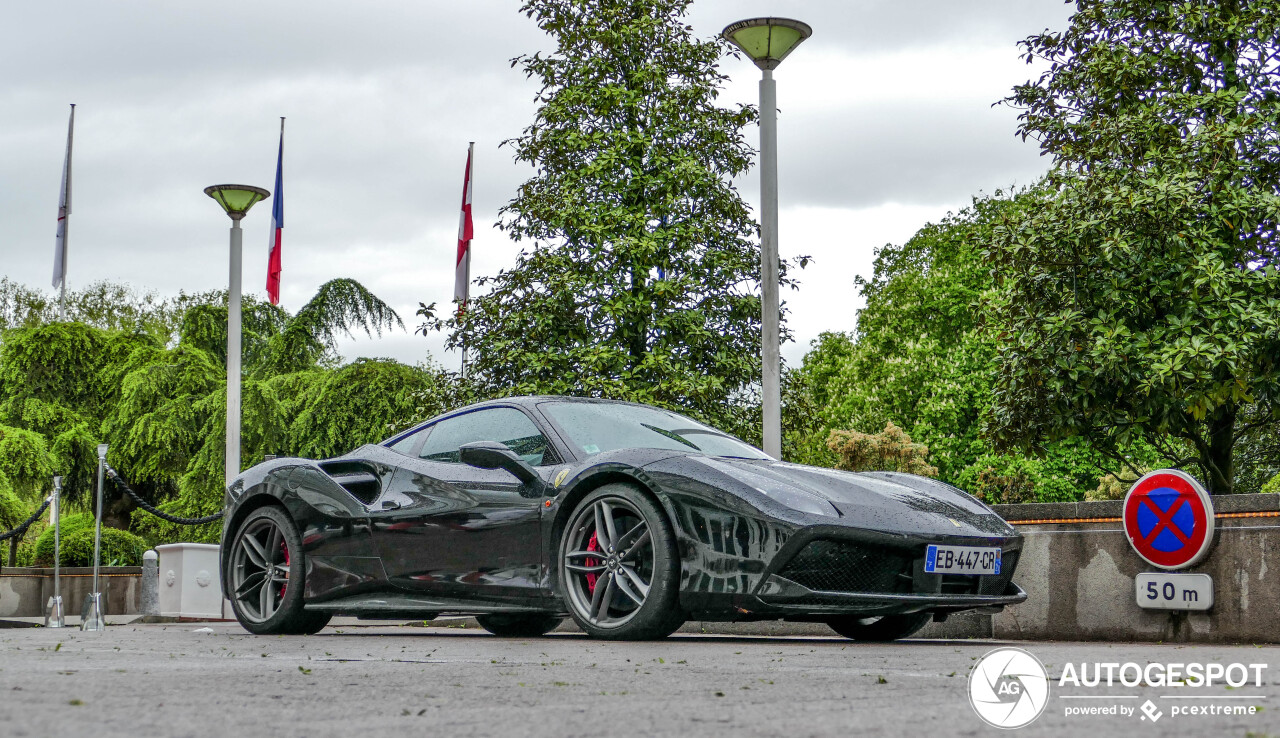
(1168, 518)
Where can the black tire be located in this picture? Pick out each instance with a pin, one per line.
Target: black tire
(266, 554)
(638, 593)
(879, 629)
(309, 622)
(522, 625)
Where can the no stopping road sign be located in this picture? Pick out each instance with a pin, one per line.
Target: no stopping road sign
(1168, 518)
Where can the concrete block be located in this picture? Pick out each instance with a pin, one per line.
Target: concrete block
(189, 583)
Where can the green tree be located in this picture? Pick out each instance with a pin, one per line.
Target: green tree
(1140, 297)
(640, 277)
(923, 359)
(102, 304)
(151, 383)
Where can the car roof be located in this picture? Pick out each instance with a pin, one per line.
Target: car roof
(520, 400)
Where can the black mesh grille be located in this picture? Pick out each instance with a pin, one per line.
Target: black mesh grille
(832, 566)
(996, 585)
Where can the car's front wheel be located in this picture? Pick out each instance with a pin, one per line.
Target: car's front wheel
(883, 628)
(619, 570)
(266, 576)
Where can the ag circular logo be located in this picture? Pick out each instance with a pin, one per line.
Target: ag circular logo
(1008, 688)
(1168, 518)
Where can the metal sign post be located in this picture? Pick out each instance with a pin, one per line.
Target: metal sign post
(92, 618)
(55, 616)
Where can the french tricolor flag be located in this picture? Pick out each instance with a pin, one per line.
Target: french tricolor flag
(462, 268)
(277, 227)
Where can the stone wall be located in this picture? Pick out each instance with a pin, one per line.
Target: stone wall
(24, 592)
(1079, 577)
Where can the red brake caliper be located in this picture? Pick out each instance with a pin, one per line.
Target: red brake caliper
(592, 545)
(284, 548)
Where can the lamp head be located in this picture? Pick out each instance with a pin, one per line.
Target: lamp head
(236, 199)
(767, 40)
(102, 451)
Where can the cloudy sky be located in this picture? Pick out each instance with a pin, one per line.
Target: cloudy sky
(886, 124)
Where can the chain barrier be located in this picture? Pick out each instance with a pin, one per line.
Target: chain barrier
(26, 523)
(114, 476)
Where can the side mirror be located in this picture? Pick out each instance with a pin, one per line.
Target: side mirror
(494, 455)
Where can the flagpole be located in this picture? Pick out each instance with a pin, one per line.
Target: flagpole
(471, 164)
(462, 280)
(60, 258)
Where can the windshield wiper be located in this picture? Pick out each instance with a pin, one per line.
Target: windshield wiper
(672, 436)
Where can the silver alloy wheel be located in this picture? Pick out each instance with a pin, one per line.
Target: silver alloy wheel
(259, 570)
(608, 562)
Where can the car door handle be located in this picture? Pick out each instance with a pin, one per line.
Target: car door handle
(390, 505)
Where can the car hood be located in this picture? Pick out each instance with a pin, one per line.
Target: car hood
(884, 501)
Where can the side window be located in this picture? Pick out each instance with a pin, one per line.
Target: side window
(405, 445)
(502, 424)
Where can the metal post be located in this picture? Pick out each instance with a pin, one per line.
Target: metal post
(771, 394)
(92, 615)
(233, 355)
(55, 616)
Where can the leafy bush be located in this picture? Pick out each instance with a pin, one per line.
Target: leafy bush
(119, 548)
(1113, 486)
(1001, 479)
(42, 554)
(889, 450)
(1272, 487)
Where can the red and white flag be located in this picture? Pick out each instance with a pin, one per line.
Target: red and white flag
(462, 270)
(64, 211)
(277, 227)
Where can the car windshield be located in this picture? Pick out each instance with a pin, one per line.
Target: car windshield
(595, 427)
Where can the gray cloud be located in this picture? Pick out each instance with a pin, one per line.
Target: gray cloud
(382, 98)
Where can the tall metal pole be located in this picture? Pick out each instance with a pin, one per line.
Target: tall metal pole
(55, 616)
(91, 618)
(57, 538)
(97, 533)
(771, 397)
(233, 354)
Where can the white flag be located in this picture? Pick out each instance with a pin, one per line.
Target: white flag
(64, 211)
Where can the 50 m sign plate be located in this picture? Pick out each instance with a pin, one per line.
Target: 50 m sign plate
(1165, 591)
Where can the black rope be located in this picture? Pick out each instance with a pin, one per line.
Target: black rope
(115, 477)
(27, 523)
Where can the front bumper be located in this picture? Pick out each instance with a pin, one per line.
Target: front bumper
(830, 570)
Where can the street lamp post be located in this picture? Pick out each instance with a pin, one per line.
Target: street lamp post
(236, 200)
(768, 41)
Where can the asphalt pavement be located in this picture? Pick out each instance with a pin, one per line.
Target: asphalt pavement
(214, 679)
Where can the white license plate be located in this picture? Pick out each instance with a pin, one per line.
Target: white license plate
(961, 560)
(1161, 591)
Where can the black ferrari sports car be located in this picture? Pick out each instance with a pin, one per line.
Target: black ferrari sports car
(628, 518)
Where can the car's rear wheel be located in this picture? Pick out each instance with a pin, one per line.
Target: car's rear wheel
(266, 571)
(524, 625)
(883, 628)
(619, 570)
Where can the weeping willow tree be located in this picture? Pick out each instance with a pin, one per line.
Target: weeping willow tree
(25, 468)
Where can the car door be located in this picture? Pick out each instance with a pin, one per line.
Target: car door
(454, 530)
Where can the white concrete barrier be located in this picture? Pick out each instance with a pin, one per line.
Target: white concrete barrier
(189, 583)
